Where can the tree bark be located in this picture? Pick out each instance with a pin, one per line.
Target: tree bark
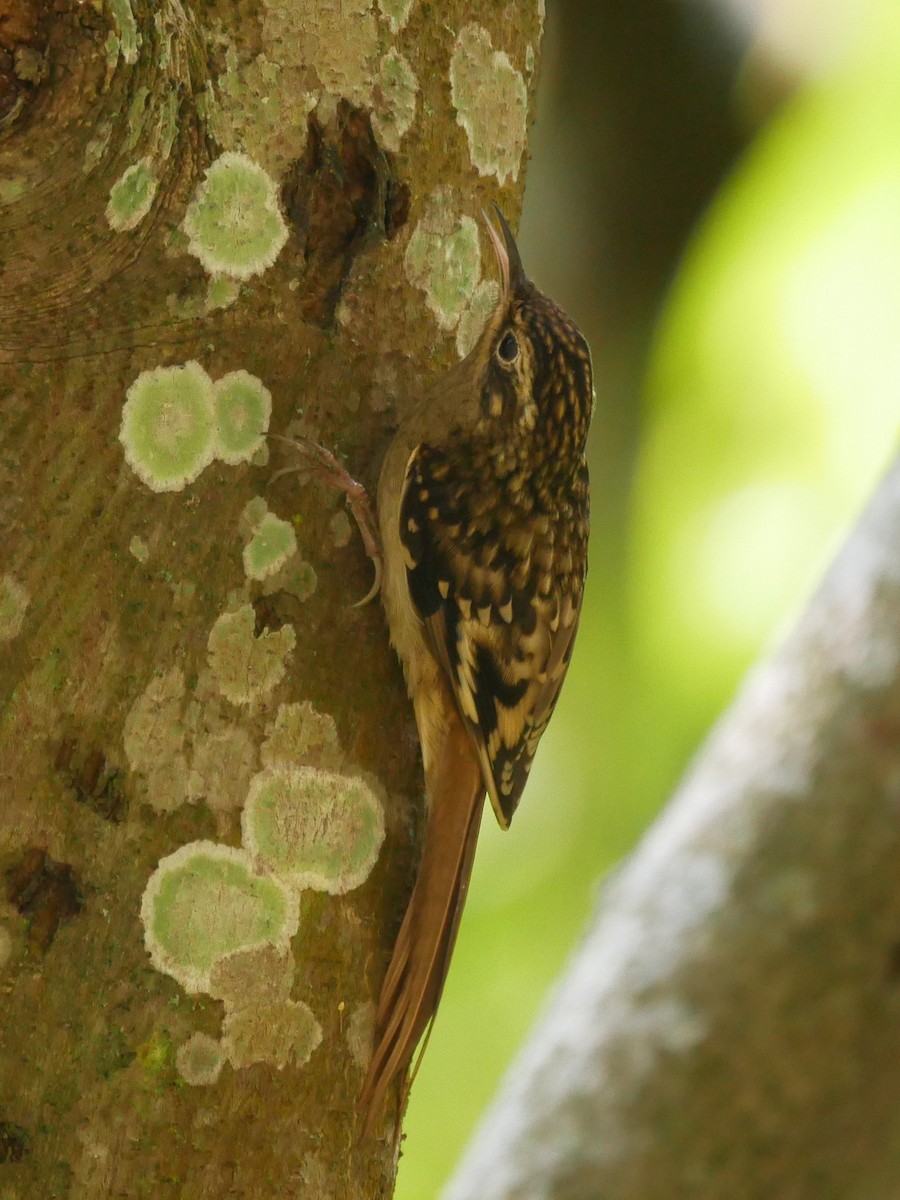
(216, 220)
(729, 1026)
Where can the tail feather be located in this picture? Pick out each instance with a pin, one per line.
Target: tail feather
(415, 978)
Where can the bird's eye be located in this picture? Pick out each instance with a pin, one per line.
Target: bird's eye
(508, 349)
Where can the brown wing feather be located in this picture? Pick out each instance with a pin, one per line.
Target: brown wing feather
(500, 600)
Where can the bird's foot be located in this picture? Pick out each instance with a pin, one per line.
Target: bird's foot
(323, 465)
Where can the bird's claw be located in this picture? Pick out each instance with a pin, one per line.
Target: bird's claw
(323, 464)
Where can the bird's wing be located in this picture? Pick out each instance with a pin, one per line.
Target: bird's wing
(499, 592)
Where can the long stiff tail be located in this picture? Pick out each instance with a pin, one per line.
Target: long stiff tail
(415, 977)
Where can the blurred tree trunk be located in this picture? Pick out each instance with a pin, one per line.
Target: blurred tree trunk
(154, 647)
(729, 1025)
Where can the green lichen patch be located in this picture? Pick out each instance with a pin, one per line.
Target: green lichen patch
(246, 666)
(96, 147)
(234, 224)
(243, 408)
(139, 549)
(395, 99)
(205, 901)
(297, 577)
(253, 512)
(169, 425)
(474, 318)
(273, 543)
(221, 292)
(13, 603)
(443, 258)
(154, 739)
(131, 196)
(279, 1034)
(395, 12)
(200, 1060)
(491, 103)
(129, 38)
(316, 829)
(260, 107)
(297, 731)
(13, 188)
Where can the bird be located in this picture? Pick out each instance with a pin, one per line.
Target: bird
(479, 542)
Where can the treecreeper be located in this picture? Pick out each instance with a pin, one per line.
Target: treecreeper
(480, 552)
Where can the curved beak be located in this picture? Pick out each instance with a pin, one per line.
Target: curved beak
(512, 274)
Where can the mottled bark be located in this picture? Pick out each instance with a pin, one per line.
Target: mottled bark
(168, 659)
(729, 1026)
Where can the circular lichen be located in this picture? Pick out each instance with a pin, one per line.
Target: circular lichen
(234, 225)
(317, 829)
(271, 546)
(200, 1060)
(243, 408)
(131, 196)
(277, 1033)
(168, 426)
(205, 901)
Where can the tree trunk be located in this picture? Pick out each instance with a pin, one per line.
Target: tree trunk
(729, 1026)
(216, 220)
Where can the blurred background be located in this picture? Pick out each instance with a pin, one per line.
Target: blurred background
(714, 195)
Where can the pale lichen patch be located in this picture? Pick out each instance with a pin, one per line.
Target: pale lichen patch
(317, 829)
(129, 37)
(200, 1060)
(339, 41)
(491, 103)
(139, 549)
(245, 666)
(253, 512)
(260, 107)
(282, 1033)
(297, 577)
(272, 544)
(168, 426)
(443, 258)
(204, 902)
(243, 409)
(260, 976)
(13, 188)
(223, 762)
(475, 315)
(395, 99)
(234, 223)
(359, 1033)
(154, 739)
(297, 731)
(221, 292)
(131, 196)
(396, 13)
(13, 602)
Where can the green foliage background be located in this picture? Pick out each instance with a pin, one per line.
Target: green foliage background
(745, 411)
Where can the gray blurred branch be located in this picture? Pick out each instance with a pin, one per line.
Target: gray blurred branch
(731, 1024)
